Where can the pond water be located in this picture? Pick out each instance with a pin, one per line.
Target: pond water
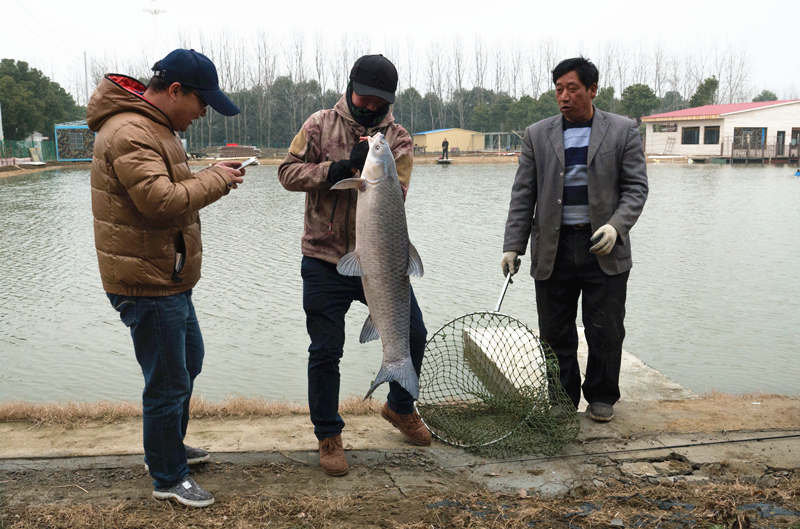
(712, 298)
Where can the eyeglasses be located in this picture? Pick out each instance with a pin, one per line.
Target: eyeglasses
(203, 101)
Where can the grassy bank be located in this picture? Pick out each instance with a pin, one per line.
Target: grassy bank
(75, 414)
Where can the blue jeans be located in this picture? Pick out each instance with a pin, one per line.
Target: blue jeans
(327, 296)
(169, 349)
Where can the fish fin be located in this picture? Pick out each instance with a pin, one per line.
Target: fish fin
(414, 262)
(404, 374)
(350, 265)
(347, 183)
(369, 332)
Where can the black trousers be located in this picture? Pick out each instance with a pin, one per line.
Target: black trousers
(327, 296)
(576, 272)
(444, 154)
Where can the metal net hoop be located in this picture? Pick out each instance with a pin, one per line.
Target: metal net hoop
(485, 387)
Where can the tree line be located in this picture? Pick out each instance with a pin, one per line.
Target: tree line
(489, 87)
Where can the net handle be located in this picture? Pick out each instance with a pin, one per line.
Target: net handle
(503, 293)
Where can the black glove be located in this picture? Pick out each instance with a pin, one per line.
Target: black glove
(359, 155)
(340, 170)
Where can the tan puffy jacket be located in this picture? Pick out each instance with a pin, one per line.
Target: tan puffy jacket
(145, 199)
(329, 230)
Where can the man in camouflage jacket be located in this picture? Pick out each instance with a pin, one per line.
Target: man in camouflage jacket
(326, 150)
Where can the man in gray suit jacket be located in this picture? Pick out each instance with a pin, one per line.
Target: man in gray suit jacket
(579, 189)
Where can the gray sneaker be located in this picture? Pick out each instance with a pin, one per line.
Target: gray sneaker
(187, 492)
(600, 411)
(194, 456)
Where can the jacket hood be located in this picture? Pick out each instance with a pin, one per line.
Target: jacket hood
(119, 93)
(342, 109)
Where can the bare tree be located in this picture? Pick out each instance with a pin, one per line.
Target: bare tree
(267, 64)
(659, 72)
(608, 74)
(436, 73)
(342, 66)
(515, 73)
(458, 93)
(537, 77)
(732, 68)
(411, 71)
(320, 61)
(480, 66)
(499, 69)
(293, 56)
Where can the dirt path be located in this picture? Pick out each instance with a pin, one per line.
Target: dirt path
(281, 492)
(713, 461)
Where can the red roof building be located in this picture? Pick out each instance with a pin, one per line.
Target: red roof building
(767, 129)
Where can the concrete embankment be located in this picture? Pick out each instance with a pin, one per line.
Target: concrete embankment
(656, 421)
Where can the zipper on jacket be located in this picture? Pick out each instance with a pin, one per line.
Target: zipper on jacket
(333, 213)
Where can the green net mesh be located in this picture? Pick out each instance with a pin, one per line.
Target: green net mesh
(485, 387)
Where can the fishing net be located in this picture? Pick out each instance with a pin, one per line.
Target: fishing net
(488, 385)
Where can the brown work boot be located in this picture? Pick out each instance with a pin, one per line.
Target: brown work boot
(331, 456)
(410, 424)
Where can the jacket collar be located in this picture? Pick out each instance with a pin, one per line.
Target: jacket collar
(599, 129)
(119, 93)
(342, 109)
(556, 135)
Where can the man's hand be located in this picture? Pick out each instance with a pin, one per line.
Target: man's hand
(604, 239)
(340, 170)
(510, 263)
(230, 167)
(359, 155)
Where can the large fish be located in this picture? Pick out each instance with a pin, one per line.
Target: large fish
(384, 258)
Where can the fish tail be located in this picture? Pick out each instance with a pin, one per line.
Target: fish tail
(404, 374)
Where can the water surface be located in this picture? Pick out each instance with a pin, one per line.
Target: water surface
(712, 298)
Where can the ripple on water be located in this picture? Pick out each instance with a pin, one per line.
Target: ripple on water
(712, 298)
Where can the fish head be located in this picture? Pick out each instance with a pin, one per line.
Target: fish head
(380, 160)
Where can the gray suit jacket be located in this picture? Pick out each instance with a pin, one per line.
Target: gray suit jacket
(617, 182)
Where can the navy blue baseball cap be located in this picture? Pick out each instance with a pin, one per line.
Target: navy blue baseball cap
(195, 70)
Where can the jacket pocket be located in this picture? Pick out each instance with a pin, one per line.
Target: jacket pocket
(180, 256)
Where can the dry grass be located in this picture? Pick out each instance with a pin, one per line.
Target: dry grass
(75, 414)
(680, 505)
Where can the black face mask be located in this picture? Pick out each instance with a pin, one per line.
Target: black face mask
(365, 117)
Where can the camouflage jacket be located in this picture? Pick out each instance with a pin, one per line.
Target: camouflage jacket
(329, 230)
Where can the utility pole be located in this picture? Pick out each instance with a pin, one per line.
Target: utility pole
(1, 122)
(155, 11)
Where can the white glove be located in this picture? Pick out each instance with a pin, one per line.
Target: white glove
(510, 263)
(604, 239)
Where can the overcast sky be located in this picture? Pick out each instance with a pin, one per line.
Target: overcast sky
(53, 35)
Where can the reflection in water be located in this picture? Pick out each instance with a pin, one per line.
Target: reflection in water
(712, 299)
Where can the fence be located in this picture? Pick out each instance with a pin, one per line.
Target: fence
(747, 148)
(15, 152)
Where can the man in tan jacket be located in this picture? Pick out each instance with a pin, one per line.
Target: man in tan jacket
(326, 150)
(145, 202)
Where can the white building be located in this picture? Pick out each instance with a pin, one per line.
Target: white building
(768, 129)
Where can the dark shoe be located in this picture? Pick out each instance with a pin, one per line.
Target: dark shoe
(187, 492)
(600, 411)
(194, 456)
(331, 456)
(410, 424)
